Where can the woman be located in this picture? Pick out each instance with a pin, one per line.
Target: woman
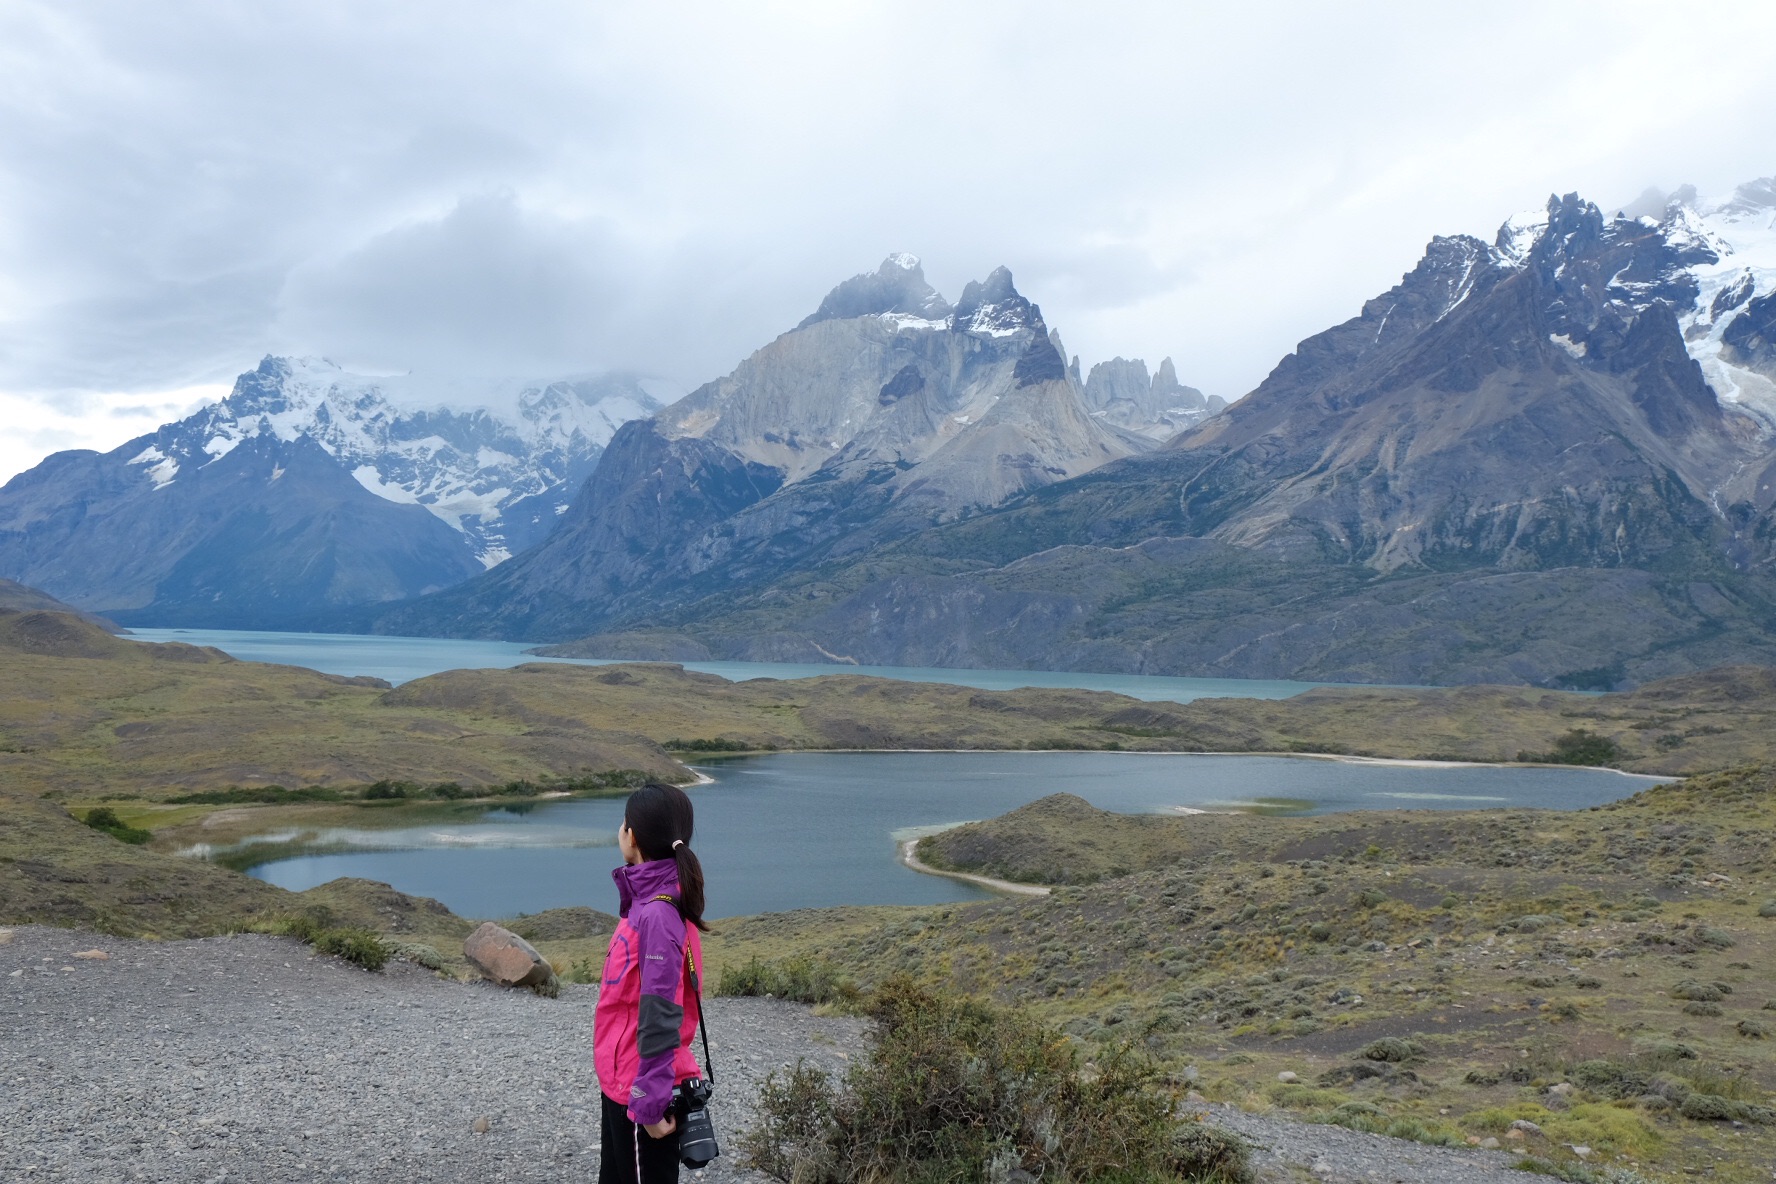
(646, 1017)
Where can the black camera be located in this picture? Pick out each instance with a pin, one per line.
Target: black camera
(696, 1132)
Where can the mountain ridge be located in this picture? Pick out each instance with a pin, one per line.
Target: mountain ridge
(1511, 466)
(307, 490)
(870, 420)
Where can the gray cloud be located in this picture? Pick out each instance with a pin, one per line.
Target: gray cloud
(553, 186)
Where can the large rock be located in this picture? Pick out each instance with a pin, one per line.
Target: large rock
(507, 959)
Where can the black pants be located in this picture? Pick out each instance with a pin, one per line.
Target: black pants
(629, 1155)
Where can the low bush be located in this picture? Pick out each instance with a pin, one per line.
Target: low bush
(717, 745)
(955, 1090)
(1714, 1108)
(1580, 746)
(354, 945)
(415, 952)
(1714, 938)
(1389, 1048)
(1700, 992)
(800, 980)
(105, 819)
(359, 946)
(274, 795)
(388, 790)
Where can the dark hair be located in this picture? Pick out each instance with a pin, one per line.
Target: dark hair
(659, 815)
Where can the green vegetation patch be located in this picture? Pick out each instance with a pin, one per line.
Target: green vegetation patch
(809, 980)
(957, 1090)
(104, 819)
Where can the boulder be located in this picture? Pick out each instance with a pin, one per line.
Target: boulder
(505, 958)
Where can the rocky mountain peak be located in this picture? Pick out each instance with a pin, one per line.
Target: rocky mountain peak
(897, 286)
(1121, 392)
(994, 307)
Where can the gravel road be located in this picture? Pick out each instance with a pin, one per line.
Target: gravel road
(248, 1058)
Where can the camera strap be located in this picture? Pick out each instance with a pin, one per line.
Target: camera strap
(696, 991)
(702, 1025)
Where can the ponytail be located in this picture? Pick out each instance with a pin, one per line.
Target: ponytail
(660, 817)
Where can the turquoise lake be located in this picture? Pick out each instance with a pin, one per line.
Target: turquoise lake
(809, 830)
(399, 659)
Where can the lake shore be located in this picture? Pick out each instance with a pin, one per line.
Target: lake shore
(909, 855)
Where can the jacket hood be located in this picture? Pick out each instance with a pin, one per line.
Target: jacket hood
(644, 881)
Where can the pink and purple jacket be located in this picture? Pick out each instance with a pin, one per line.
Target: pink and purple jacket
(645, 1019)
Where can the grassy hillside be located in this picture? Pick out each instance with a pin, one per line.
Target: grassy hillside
(86, 715)
(1602, 973)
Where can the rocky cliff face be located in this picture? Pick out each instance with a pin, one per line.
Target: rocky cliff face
(1121, 392)
(309, 489)
(885, 412)
(1544, 458)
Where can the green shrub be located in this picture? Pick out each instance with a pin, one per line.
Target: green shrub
(800, 980)
(105, 820)
(717, 745)
(1389, 1048)
(1714, 1108)
(1718, 939)
(415, 952)
(355, 945)
(955, 1090)
(1767, 909)
(1580, 746)
(266, 794)
(1699, 992)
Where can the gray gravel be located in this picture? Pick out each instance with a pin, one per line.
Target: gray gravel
(248, 1058)
(1293, 1151)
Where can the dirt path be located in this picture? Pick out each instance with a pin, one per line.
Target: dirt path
(249, 1059)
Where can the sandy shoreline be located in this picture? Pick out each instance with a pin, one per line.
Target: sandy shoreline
(1346, 758)
(909, 857)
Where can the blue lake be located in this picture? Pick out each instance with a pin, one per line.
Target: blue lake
(807, 830)
(399, 659)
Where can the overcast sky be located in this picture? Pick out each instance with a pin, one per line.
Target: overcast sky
(541, 187)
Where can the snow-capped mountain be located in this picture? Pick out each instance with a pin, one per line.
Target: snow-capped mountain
(1730, 327)
(1548, 456)
(309, 490)
(497, 460)
(886, 410)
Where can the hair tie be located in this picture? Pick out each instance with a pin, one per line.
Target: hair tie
(677, 843)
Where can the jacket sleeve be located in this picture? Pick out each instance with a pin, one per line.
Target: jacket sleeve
(661, 934)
